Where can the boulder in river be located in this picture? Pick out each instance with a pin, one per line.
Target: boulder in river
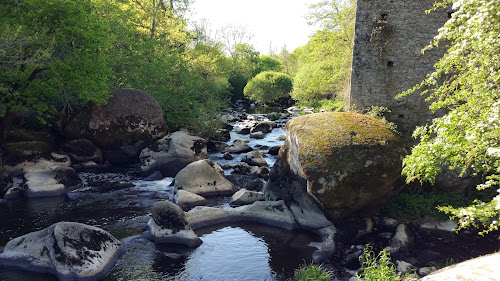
(204, 178)
(172, 153)
(246, 197)
(58, 181)
(238, 146)
(349, 164)
(254, 158)
(264, 127)
(82, 150)
(120, 130)
(69, 250)
(168, 225)
(188, 200)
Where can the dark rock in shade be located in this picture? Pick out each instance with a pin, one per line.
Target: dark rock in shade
(29, 135)
(172, 153)
(13, 193)
(274, 150)
(5, 181)
(204, 178)
(156, 176)
(215, 146)
(349, 164)
(264, 127)
(69, 250)
(238, 146)
(227, 156)
(244, 131)
(168, 225)
(58, 181)
(223, 135)
(120, 130)
(82, 150)
(247, 182)
(30, 151)
(115, 185)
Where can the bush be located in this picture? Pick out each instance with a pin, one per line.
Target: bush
(268, 87)
(377, 267)
(310, 272)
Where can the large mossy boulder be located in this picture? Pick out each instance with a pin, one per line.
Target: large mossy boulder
(82, 150)
(130, 121)
(349, 164)
(69, 250)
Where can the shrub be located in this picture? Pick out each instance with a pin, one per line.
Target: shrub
(268, 87)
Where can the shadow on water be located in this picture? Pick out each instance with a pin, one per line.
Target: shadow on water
(229, 252)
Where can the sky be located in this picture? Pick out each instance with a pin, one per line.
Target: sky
(272, 22)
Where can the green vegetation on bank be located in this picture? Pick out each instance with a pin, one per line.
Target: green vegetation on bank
(466, 85)
(377, 267)
(310, 272)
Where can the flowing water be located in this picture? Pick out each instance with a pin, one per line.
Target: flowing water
(229, 252)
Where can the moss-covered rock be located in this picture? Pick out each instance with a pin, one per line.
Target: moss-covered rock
(82, 150)
(27, 151)
(130, 121)
(24, 135)
(349, 163)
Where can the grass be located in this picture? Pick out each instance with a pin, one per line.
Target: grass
(326, 104)
(377, 267)
(312, 272)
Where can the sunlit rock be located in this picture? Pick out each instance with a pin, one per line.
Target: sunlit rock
(58, 181)
(69, 250)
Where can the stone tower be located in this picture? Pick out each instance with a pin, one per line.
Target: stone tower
(387, 57)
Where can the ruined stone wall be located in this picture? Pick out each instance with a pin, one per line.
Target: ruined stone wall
(387, 58)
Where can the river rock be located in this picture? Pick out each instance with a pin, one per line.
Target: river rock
(216, 146)
(69, 250)
(5, 181)
(264, 127)
(168, 225)
(247, 182)
(431, 223)
(13, 193)
(257, 135)
(30, 134)
(246, 197)
(274, 150)
(238, 146)
(254, 158)
(204, 178)
(129, 121)
(53, 182)
(19, 154)
(478, 269)
(188, 200)
(115, 185)
(172, 153)
(227, 156)
(82, 150)
(49, 162)
(402, 240)
(349, 164)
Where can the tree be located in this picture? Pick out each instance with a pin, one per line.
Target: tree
(268, 63)
(269, 87)
(465, 83)
(51, 56)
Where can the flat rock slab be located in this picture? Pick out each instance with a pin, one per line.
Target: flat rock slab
(69, 250)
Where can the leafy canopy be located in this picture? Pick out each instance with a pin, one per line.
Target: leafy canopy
(268, 87)
(466, 84)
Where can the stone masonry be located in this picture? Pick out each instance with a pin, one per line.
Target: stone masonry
(387, 57)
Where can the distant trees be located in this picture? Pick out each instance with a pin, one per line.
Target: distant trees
(268, 87)
(323, 65)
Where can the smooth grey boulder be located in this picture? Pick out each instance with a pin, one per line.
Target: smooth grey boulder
(254, 158)
(204, 178)
(238, 146)
(246, 197)
(172, 153)
(402, 240)
(69, 250)
(188, 200)
(168, 225)
(257, 135)
(431, 223)
(54, 182)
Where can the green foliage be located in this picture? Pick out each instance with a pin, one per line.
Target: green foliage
(312, 272)
(51, 56)
(244, 58)
(324, 64)
(268, 87)
(379, 113)
(377, 267)
(465, 83)
(327, 105)
(268, 63)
